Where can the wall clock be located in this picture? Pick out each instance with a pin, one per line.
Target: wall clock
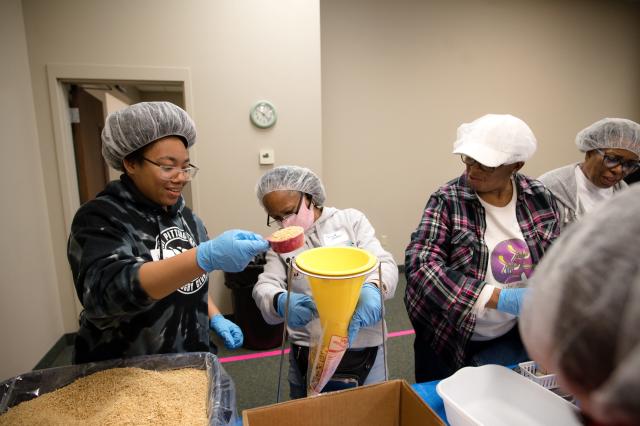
(263, 114)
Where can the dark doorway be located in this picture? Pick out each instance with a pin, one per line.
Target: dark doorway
(87, 123)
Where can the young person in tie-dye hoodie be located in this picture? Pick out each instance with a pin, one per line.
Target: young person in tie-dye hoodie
(140, 258)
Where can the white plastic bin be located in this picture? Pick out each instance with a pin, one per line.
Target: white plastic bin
(495, 395)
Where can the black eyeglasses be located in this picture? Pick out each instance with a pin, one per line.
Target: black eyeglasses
(470, 162)
(613, 161)
(171, 172)
(279, 220)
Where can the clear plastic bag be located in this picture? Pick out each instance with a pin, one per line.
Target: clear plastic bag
(221, 406)
(323, 358)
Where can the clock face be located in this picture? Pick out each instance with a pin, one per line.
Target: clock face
(263, 114)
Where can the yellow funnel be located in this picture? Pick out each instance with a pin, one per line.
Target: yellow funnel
(335, 276)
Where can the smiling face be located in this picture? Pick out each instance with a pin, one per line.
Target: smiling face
(598, 173)
(149, 178)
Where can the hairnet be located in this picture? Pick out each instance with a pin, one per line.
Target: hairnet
(496, 139)
(137, 125)
(291, 178)
(582, 318)
(610, 133)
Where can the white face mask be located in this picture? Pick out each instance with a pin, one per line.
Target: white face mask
(303, 218)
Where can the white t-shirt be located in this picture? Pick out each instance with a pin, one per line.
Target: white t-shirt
(589, 195)
(509, 264)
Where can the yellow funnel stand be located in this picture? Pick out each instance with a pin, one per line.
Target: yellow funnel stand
(335, 276)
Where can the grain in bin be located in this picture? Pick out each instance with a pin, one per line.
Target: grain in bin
(199, 378)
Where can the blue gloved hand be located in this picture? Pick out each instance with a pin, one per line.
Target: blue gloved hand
(229, 332)
(510, 300)
(302, 309)
(368, 311)
(230, 251)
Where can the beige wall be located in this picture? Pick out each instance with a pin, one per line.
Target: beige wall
(30, 316)
(238, 52)
(399, 77)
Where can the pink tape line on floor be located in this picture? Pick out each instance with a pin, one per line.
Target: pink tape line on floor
(267, 354)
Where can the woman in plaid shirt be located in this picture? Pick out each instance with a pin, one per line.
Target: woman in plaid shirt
(477, 243)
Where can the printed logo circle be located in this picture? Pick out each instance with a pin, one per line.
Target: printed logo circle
(511, 261)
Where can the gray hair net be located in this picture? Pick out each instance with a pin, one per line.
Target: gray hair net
(610, 133)
(137, 125)
(582, 317)
(291, 178)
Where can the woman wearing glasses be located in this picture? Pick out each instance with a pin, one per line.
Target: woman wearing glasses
(294, 195)
(477, 243)
(140, 258)
(611, 147)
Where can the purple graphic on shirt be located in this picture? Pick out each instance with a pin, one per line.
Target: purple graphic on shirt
(511, 261)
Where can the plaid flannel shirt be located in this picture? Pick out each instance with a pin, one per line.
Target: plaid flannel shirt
(446, 260)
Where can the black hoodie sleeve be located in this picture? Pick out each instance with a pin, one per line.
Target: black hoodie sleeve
(105, 256)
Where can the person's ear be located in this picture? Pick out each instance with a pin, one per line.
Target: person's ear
(129, 166)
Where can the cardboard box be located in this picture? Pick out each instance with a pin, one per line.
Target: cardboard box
(392, 403)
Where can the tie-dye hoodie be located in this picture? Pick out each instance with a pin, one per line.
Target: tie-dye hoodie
(111, 237)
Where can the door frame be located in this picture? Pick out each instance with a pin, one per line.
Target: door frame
(60, 74)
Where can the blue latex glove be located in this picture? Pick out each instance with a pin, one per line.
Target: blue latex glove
(230, 251)
(302, 309)
(510, 300)
(229, 332)
(368, 311)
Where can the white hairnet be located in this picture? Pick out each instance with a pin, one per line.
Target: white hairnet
(496, 139)
(291, 178)
(137, 125)
(582, 318)
(610, 133)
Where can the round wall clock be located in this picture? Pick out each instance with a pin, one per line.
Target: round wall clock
(263, 114)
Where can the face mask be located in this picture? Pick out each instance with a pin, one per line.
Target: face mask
(304, 218)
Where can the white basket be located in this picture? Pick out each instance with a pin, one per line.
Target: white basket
(528, 369)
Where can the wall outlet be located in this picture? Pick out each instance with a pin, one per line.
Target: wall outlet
(267, 156)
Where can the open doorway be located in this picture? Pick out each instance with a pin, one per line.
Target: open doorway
(90, 102)
(114, 87)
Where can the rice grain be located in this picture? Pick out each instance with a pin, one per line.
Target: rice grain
(120, 396)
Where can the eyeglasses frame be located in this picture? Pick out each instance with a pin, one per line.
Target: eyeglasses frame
(618, 162)
(169, 169)
(269, 218)
(473, 161)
